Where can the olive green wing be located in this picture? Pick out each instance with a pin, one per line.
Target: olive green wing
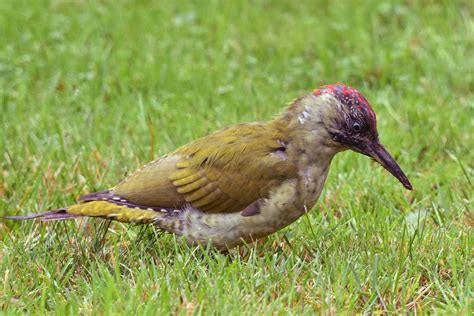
(221, 173)
(151, 185)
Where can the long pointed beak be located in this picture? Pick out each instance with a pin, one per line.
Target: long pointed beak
(383, 157)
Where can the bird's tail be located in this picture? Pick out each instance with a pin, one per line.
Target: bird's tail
(102, 209)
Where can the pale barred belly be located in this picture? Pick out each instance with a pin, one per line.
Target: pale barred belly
(284, 206)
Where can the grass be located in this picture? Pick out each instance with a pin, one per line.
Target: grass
(89, 91)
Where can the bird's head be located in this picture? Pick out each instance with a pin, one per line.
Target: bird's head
(351, 124)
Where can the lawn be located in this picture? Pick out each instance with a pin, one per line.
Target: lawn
(91, 90)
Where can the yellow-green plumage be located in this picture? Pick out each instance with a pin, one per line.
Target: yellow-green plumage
(211, 177)
(113, 211)
(244, 181)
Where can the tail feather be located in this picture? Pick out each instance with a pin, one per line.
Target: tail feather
(121, 213)
(58, 217)
(102, 209)
(103, 204)
(58, 214)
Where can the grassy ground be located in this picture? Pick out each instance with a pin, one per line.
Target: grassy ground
(89, 91)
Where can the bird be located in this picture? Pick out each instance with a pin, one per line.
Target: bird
(245, 181)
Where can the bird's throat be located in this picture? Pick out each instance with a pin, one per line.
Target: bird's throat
(311, 146)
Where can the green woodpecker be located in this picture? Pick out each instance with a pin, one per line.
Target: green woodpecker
(245, 181)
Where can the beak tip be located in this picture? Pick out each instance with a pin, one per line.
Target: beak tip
(404, 180)
(382, 156)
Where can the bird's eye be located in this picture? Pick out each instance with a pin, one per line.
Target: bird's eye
(356, 127)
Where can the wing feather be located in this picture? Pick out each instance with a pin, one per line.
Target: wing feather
(221, 173)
